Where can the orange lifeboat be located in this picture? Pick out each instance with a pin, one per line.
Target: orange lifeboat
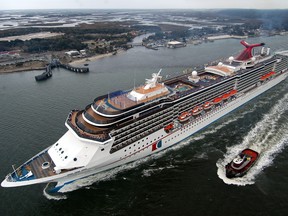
(197, 110)
(266, 76)
(208, 105)
(272, 73)
(226, 96)
(169, 127)
(217, 100)
(184, 117)
(233, 92)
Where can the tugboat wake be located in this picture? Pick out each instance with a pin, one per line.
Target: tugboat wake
(268, 138)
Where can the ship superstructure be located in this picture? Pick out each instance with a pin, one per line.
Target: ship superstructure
(124, 126)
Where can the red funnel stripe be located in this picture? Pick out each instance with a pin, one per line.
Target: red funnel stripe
(247, 53)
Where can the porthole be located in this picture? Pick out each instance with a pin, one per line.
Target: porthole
(66, 157)
(75, 159)
(62, 152)
(45, 165)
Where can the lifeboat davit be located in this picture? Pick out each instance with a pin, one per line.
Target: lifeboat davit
(184, 117)
(197, 110)
(208, 105)
(240, 165)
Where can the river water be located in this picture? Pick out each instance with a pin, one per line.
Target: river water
(187, 179)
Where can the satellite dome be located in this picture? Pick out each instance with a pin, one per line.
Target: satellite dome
(231, 58)
(220, 64)
(194, 73)
(253, 59)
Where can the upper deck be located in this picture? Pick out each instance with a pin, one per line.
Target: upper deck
(122, 102)
(108, 112)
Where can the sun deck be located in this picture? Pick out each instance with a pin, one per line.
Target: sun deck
(122, 102)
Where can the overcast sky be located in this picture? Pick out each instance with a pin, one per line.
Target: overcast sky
(142, 4)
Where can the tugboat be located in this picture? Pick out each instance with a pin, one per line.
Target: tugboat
(240, 165)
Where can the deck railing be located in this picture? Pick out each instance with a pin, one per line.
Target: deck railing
(83, 131)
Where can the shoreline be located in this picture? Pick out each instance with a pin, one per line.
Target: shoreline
(21, 70)
(25, 66)
(74, 63)
(78, 62)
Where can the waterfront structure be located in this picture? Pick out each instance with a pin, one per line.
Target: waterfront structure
(175, 44)
(124, 126)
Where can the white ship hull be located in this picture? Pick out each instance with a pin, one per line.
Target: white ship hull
(153, 143)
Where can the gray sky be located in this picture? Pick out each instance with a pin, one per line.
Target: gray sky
(142, 4)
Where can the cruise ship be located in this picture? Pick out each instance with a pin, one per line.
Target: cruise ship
(127, 125)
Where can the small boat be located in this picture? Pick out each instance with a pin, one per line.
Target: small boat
(184, 117)
(217, 100)
(197, 110)
(233, 92)
(226, 96)
(169, 127)
(240, 165)
(208, 105)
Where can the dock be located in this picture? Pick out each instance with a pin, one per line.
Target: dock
(55, 63)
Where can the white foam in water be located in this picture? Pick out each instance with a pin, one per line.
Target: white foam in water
(53, 196)
(265, 138)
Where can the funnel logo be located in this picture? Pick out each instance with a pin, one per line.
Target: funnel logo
(156, 145)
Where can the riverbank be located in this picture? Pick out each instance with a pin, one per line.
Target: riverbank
(78, 62)
(26, 66)
(40, 65)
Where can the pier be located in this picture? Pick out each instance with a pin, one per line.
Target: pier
(74, 69)
(55, 63)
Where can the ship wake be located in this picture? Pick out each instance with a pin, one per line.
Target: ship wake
(268, 137)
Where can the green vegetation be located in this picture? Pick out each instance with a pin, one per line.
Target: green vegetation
(73, 38)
